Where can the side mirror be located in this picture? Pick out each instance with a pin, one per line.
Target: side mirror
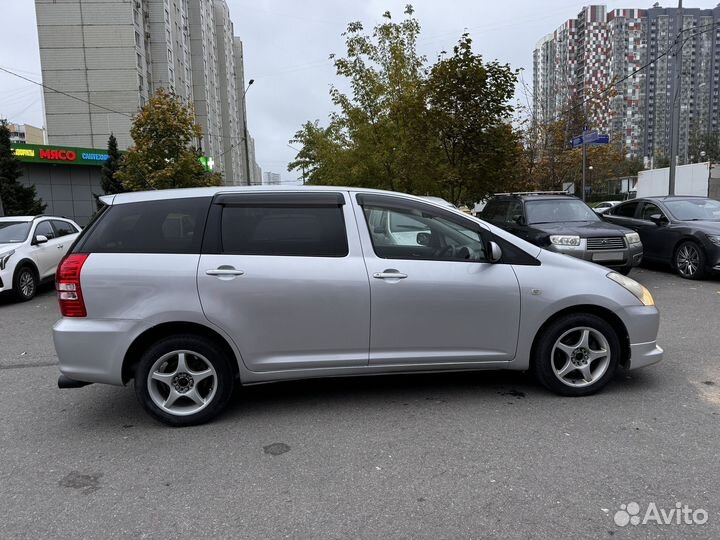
(40, 239)
(658, 219)
(495, 252)
(423, 239)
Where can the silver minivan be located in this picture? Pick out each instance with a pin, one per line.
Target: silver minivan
(192, 292)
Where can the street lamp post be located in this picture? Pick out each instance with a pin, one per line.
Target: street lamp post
(245, 133)
(303, 167)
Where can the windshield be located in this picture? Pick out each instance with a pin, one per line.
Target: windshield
(695, 209)
(559, 210)
(13, 232)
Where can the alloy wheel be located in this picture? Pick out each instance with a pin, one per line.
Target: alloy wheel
(687, 260)
(580, 356)
(26, 283)
(182, 382)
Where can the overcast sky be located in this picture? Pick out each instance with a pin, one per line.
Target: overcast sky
(287, 43)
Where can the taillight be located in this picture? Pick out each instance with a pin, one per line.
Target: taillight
(67, 284)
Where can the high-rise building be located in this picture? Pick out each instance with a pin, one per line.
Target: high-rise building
(26, 134)
(271, 178)
(616, 64)
(113, 54)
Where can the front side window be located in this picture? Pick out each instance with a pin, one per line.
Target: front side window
(13, 232)
(649, 210)
(292, 230)
(169, 226)
(44, 228)
(422, 234)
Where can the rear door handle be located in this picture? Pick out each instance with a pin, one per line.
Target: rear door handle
(389, 274)
(224, 271)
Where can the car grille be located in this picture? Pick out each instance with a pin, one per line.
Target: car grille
(609, 242)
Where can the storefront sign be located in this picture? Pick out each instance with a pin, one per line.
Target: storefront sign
(40, 153)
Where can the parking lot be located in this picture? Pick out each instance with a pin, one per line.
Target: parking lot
(488, 455)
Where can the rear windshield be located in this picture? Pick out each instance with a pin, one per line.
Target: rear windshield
(172, 226)
(559, 210)
(13, 232)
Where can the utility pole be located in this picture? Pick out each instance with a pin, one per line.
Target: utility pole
(245, 134)
(584, 169)
(675, 101)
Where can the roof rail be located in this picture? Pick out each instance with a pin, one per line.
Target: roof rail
(515, 193)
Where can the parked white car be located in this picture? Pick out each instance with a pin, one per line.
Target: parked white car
(31, 247)
(602, 207)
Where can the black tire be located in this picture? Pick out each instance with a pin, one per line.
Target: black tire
(544, 360)
(25, 283)
(218, 388)
(689, 251)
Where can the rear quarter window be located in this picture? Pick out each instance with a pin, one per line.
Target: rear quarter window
(171, 226)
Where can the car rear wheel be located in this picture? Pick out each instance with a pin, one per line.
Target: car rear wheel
(690, 260)
(184, 380)
(577, 355)
(25, 284)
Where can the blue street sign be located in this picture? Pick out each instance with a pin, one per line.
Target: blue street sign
(577, 142)
(589, 136)
(602, 139)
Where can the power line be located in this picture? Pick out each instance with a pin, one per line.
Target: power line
(63, 93)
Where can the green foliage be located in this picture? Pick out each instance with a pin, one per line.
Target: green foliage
(704, 142)
(17, 200)
(431, 130)
(164, 155)
(108, 181)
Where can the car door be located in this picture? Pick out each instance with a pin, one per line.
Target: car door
(284, 275)
(657, 240)
(45, 254)
(435, 300)
(66, 233)
(624, 214)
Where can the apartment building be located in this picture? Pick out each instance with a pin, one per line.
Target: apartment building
(113, 54)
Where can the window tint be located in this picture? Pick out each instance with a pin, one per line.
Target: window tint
(63, 228)
(292, 230)
(406, 233)
(624, 210)
(172, 226)
(559, 211)
(496, 210)
(45, 229)
(648, 210)
(515, 210)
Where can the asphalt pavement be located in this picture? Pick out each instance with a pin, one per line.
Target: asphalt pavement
(482, 455)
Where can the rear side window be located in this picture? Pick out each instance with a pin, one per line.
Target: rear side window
(292, 230)
(63, 228)
(624, 210)
(171, 226)
(496, 210)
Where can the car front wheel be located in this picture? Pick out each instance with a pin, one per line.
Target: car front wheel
(25, 285)
(690, 260)
(577, 355)
(184, 380)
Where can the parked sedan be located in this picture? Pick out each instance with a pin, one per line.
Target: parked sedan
(683, 231)
(602, 207)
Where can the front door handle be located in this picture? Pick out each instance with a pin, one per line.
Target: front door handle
(61, 246)
(224, 271)
(389, 274)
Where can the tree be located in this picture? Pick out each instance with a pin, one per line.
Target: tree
(400, 125)
(17, 200)
(108, 182)
(164, 156)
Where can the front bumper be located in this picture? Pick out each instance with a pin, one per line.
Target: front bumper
(93, 350)
(5, 280)
(645, 354)
(617, 258)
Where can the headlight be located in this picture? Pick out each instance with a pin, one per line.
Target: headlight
(715, 239)
(4, 258)
(564, 240)
(632, 238)
(640, 292)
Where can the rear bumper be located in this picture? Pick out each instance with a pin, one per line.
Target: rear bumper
(93, 350)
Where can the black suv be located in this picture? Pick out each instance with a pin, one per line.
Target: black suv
(563, 223)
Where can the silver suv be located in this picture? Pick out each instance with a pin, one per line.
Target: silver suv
(192, 292)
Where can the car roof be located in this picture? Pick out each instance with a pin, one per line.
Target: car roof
(186, 193)
(539, 197)
(670, 197)
(31, 218)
